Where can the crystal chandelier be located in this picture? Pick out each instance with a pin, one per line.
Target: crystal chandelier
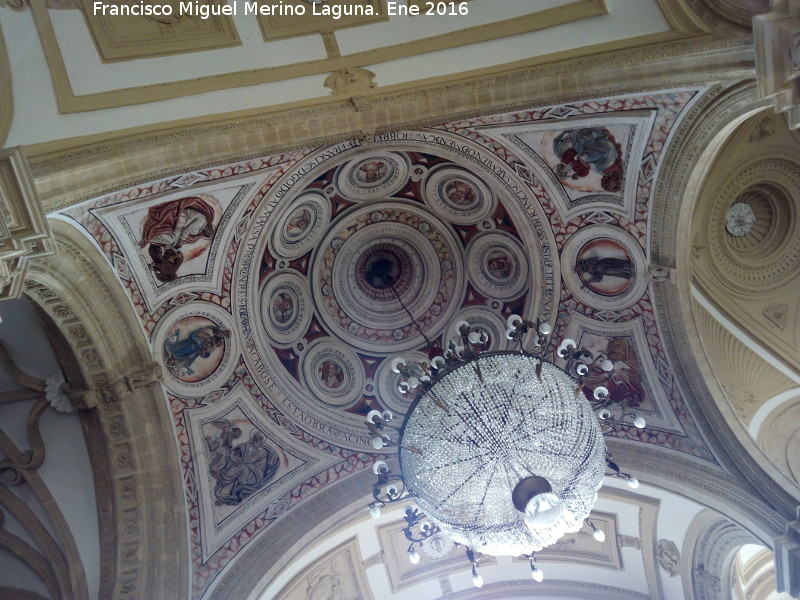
(502, 451)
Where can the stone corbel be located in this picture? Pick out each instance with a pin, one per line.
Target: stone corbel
(24, 232)
(787, 559)
(147, 375)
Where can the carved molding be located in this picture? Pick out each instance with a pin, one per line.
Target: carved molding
(708, 552)
(787, 559)
(137, 466)
(63, 176)
(24, 232)
(128, 37)
(747, 379)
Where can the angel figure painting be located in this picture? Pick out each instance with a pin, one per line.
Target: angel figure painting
(589, 149)
(239, 469)
(170, 227)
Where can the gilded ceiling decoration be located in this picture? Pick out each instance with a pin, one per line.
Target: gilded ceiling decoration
(262, 286)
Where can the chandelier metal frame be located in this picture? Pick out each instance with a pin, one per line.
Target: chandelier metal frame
(468, 346)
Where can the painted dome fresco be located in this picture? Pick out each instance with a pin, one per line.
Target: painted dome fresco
(276, 291)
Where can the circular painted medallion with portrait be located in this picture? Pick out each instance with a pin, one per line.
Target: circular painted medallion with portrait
(497, 265)
(377, 176)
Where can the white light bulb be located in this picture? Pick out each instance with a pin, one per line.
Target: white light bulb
(378, 466)
(601, 393)
(377, 442)
(639, 422)
(604, 414)
(413, 382)
(633, 483)
(599, 535)
(545, 329)
(510, 333)
(388, 415)
(459, 325)
(607, 365)
(397, 363)
(581, 369)
(413, 556)
(513, 320)
(477, 580)
(474, 337)
(537, 575)
(375, 511)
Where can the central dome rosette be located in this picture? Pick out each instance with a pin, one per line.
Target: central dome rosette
(377, 254)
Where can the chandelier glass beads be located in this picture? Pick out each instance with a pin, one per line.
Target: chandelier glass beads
(487, 424)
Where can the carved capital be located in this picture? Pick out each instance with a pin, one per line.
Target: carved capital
(147, 375)
(24, 232)
(777, 41)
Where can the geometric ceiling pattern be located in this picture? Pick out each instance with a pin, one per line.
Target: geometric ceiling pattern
(256, 285)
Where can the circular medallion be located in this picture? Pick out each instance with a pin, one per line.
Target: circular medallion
(197, 348)
(604, 267)
(371, 260)
(285, 307)
(497, 265)
(739, 219)
(300, 228)
(377, 176)
(458, 196)
(333, 373)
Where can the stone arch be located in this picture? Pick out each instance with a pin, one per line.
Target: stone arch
(708, 556)
(692, 150)
(136, 471)
(779, 437)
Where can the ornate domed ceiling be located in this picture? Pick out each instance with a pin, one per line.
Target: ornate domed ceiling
(271, 288)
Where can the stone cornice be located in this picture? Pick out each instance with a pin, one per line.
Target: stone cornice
(74, 170)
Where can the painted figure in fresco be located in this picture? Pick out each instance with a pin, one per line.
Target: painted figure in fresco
(171, 225)
(459, 192)
(221, 445)
(622, 381)
(201, 342)
(298, 223)
(580, 150)
(247, 467)
(330, 374)
(282, 308)
(593, 269)
(500, 266)
(373, 170)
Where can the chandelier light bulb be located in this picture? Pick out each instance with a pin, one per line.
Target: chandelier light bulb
(413, 382)
(513, 320)
(413, 556)
(477, 580)
(474, 337)
(604, 414)
(633, 483)
(403, 387)
(510, 333)
(437, 362)
(377, 442)
(397, 363)
(639, 422)
(537, 574)
(375, 511)
(582, 369)
(459, 325)
(601, 393)
(599, 535)
(388, 415)
(545, 329)
(607, 365)
(379, 466)
(543, 510)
